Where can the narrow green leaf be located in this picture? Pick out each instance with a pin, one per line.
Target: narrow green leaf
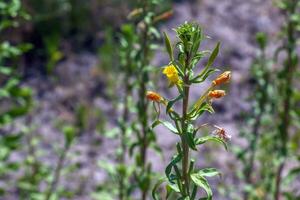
(173, 162)
(203, 77)
(132, 147)
(198, 57)
(168, 125)
(203, 183)
(174, 187)
(168, 46)
(199, 110)
(190, 140)
(202, 140)
(211, 59)
(156, 186)
(209, 172)
(171, 102)
(190, 137)
(213, 55)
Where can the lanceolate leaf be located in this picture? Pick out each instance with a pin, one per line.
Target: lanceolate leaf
(190, 137)
(199, 110)
(168, 125)
(132, 147)
(169, 46)
(156, 186)
(203, 183)
(211, 60)
(174, 187)
(173, 162)
(198, 57)
(190, 140)
(202, 140)
(171, 102)
(213, 56)
(209, 172)
(203, 77)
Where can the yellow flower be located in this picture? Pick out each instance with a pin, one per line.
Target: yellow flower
(223, 78)
(216, 94)
(153, 96)
(172, 74)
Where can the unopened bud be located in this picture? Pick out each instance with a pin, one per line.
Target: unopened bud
(223, 78)
(153, 96)
(216, 94)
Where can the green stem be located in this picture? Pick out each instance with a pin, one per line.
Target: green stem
(285, 114)
(143, 112)
(123, 136)
(185, 147)
(257, 124)
(57, 173)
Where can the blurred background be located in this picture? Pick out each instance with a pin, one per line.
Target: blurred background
(60, 65)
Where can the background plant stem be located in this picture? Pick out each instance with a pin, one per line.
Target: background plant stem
(123, 135)
(285, 113)
(57, 173)
(257, 124)
(143, 113)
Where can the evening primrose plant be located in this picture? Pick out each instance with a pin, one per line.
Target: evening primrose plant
(182, 177)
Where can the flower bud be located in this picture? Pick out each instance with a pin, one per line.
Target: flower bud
(216, 94)
(223, 78)
(163, 16)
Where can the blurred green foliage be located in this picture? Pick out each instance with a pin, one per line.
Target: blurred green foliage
(15, 100)
(273, 125)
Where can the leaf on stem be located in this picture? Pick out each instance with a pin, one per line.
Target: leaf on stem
(211, 60)
(173, 162)
(168, 46)
(172, 102)
(190, 137)
(168, 125)
(202, 140)
(200, 109)
(156, 186)
(203, 183)
(209, 172)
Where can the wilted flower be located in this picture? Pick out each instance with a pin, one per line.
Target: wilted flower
(221, 133)
(216, 94)
(172, 74)
(153, 96)
(223, 78)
